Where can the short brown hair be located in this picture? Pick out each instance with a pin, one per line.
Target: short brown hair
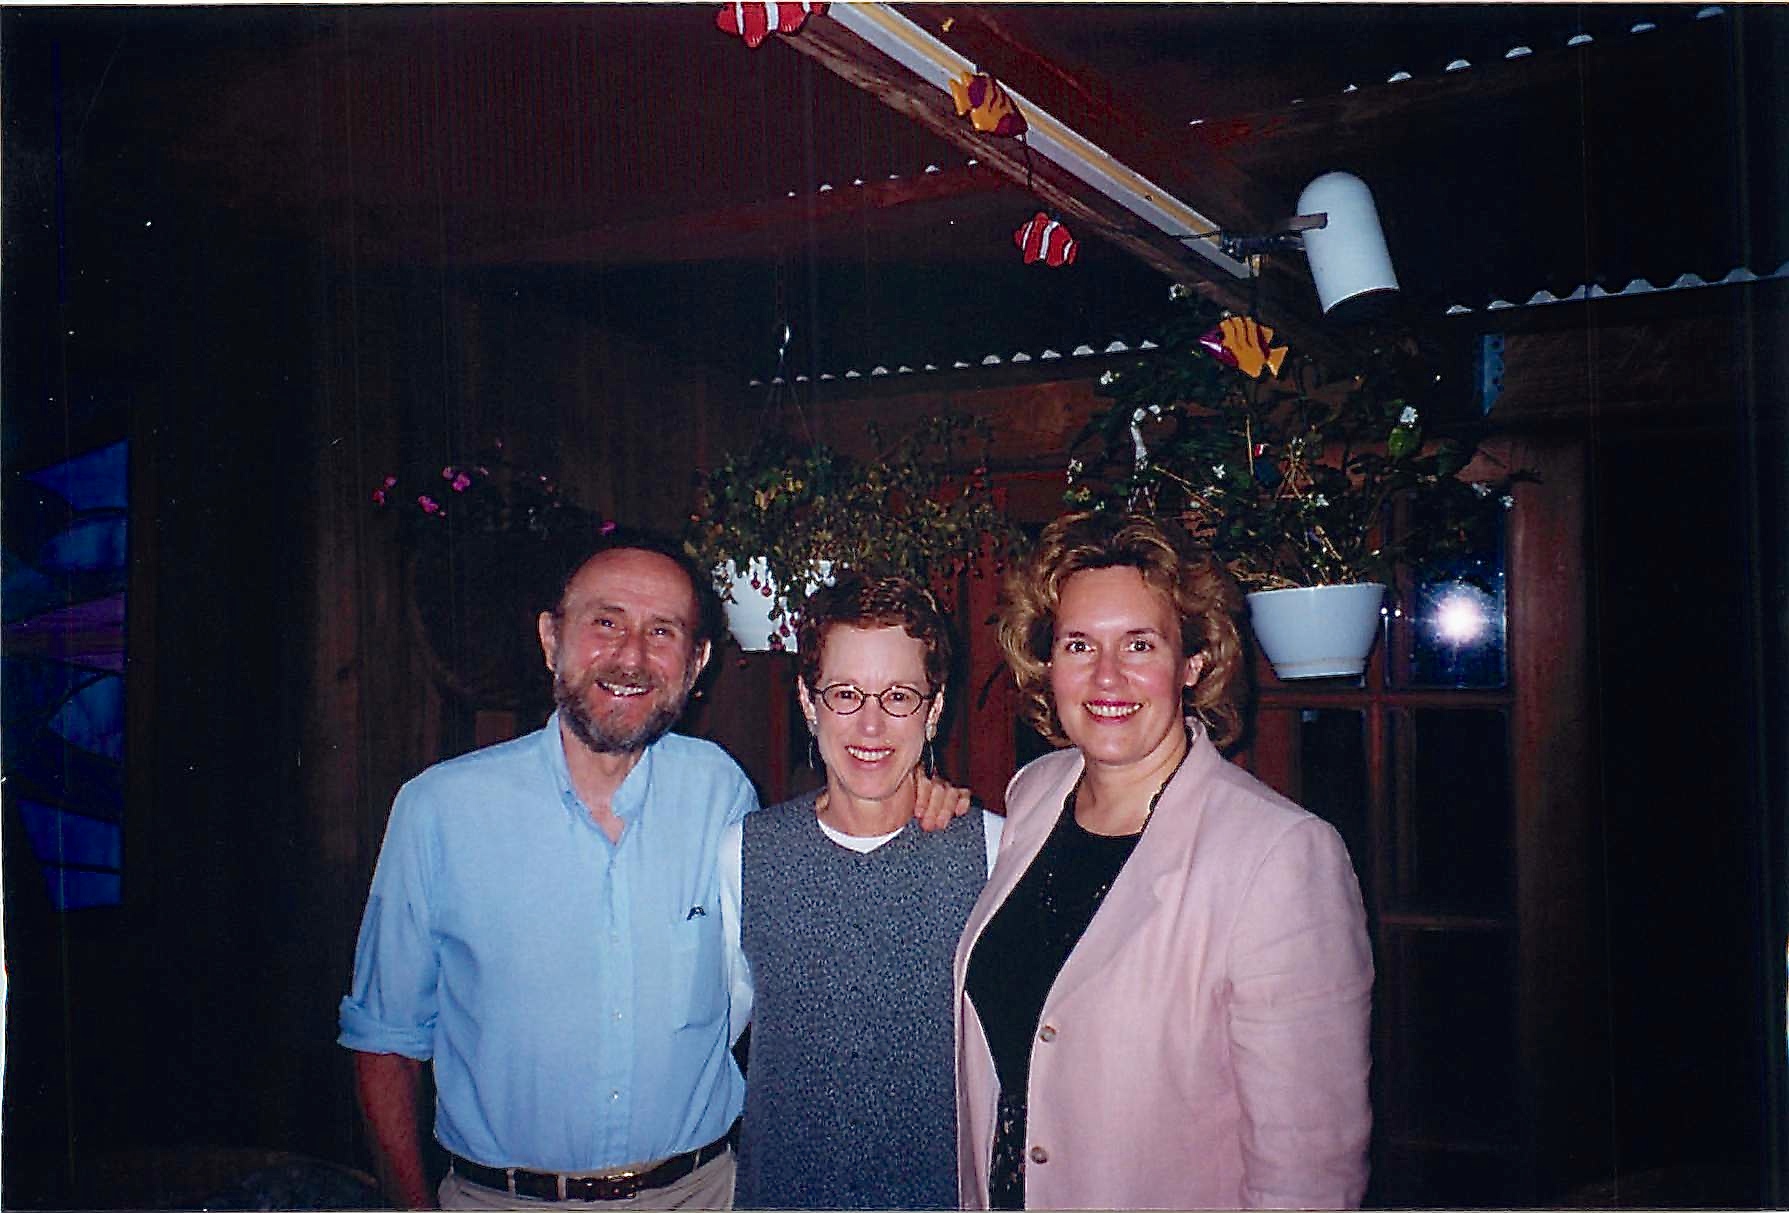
(855, 600)
(1201, 592)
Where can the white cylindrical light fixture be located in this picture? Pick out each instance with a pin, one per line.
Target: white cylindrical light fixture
(1348, 257)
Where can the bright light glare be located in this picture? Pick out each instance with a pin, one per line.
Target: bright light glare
(1460, 617)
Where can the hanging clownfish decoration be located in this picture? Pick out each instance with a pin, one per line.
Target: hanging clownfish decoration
(755, 22)
(1243, 343)
(1044, 239)
(991, 110)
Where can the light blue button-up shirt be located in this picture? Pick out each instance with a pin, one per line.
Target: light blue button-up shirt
(572, 992)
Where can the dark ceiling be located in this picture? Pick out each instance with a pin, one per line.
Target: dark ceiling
(636, 162)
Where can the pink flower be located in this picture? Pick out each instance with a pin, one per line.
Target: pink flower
(428, 504)
(389, 481)
(447, 473)
(378, 496)
(461, 483)
(607, 527)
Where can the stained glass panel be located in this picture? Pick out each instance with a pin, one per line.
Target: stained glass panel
(63, 569)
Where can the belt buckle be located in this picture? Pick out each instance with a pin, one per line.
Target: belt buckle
(613, 1185)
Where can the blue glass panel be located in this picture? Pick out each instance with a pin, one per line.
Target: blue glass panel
(93, 481)
(34, 514)
(93, 544)
(41, 764)
(31, 687)
(77, 889)
(93, 718)
(26, 591)
(63, 838)
(64, 724)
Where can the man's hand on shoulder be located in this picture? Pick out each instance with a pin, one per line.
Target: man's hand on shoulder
(938, 803)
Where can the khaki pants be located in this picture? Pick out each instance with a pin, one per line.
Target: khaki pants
(709, 1186)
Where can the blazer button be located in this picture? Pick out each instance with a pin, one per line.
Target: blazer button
(1047, 1033)
(1039, 1154)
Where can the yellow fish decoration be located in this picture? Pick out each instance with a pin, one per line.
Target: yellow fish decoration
(1246, 344)
(989, 107)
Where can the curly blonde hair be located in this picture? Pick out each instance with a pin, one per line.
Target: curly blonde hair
(1202, 593)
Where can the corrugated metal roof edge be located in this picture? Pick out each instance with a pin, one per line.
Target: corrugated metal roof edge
(1018, 359)
(1519, 51)
(1638, 286)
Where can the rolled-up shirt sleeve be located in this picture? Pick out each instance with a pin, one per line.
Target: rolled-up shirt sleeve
(391, 1005)
(1301, 1005)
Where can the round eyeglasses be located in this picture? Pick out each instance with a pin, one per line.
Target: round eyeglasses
(843, 699)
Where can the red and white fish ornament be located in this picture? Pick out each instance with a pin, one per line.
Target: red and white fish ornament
(1042, 238)
(755, 22)
(1245, 344)
(989, 108)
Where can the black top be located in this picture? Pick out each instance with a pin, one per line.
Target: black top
(1017, 959)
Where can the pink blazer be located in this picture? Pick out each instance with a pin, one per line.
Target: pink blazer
(1206, 1044)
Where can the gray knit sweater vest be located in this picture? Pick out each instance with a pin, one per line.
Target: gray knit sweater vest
(850, 1088)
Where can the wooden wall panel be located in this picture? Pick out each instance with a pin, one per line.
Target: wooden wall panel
(1033, 419)
(1562, 973)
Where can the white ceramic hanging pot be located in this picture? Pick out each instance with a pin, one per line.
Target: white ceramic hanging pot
(1323, 631)
(748, 614)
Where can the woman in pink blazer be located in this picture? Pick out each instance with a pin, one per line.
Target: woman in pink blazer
(1163, 993)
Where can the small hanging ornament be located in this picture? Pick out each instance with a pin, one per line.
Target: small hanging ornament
(1243, 343)
(1044, 239)
(990, 109)
(755, 22)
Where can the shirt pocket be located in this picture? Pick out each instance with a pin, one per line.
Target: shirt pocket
(698, 976)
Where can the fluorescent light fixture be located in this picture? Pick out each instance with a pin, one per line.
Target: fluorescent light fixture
(936, 64)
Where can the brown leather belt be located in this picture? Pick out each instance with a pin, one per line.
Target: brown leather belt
(610, 1185)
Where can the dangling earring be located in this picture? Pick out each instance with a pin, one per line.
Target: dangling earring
(813, 754)
(931, 757)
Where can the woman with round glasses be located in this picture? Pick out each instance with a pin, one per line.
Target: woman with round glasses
(1163, 993)
(849, 913)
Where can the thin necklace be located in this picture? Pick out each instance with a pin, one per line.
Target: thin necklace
(1154, 800)
(1157, 798)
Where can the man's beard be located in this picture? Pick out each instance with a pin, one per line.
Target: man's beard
(574, 709)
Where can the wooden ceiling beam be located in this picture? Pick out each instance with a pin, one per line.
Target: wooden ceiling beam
(1279, 296)
(1085, 101)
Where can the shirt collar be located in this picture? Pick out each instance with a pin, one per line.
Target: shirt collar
(630, 797)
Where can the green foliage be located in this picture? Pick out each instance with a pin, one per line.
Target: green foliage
(1289, 479)
(904, 512)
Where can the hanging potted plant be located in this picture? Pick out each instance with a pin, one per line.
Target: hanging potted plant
(1290, 477)
(485, 544)
(774, 521)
